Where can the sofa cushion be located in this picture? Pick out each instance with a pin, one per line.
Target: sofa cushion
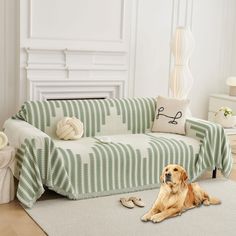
(131, 161)
(85, 146)
(170, 115)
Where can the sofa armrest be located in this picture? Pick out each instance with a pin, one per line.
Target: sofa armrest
(202, 129)
(214, 149)
(18, 131)
(31, 144)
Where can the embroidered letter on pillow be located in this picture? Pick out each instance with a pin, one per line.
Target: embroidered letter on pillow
(170, 115)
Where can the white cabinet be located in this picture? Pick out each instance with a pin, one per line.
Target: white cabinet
(217, 101)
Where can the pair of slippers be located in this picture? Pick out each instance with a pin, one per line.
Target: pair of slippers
(131, 202)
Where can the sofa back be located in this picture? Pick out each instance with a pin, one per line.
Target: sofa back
(99, 116)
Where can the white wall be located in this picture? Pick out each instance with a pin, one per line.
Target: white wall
(8, 58)
(233, 62)
(152, 47)
(213, 57)
(213, 25)
(111, 48)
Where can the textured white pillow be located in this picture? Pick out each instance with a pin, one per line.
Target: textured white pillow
(69, 128)
(170, 115)
(3, 140)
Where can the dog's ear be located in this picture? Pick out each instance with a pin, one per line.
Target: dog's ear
(162, 178)
(184, 176)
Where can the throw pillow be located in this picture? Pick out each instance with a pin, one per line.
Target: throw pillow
(170, 115)
(69, 128)
(3, 140)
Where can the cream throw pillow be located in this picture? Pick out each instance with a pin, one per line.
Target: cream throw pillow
(69, 128)
(170, 115)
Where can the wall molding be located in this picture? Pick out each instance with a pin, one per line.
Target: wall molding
(119, 40)
(39, 89)
(68, 69)
(76, 59)
(66, 53)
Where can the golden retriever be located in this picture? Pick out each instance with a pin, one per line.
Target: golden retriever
(176, 195)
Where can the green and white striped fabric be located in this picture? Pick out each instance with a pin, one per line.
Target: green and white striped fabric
(132, 161)
(100, 117)
(215, 149)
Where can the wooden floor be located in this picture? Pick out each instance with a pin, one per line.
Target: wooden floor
(14, 221)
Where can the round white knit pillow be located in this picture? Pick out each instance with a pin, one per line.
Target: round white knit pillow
(69, 128)
(3, 140)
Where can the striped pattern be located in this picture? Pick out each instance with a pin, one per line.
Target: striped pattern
(173, 151)
(112, 168)
(119, 166)
(215, 149)
(136, 113)
(115, 167)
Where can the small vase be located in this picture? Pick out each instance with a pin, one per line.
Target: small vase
(225, 121)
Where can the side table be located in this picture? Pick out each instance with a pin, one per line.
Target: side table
(231, 134)
(216, 101)
(7, 188)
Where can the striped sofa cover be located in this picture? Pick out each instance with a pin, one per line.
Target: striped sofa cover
(133, 160)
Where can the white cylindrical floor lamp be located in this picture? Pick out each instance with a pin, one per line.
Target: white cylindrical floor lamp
(181, 79)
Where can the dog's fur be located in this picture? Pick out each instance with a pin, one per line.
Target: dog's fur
(176, 195)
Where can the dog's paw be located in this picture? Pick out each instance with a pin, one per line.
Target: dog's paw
(206, 203)
(157, 218)
(145, 217)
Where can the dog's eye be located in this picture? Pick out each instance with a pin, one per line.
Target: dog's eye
(175, 169)
(166, 169)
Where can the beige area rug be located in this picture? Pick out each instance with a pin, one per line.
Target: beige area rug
(105, 216)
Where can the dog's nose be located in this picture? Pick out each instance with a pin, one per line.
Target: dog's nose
(168, 174)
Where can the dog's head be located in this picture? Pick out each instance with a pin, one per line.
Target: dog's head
(174, 175)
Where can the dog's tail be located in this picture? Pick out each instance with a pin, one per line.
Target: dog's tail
(209, 200)
(214, 200)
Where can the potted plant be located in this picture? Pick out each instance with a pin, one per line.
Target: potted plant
(225, 117)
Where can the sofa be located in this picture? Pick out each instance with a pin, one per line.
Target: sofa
(132, 160)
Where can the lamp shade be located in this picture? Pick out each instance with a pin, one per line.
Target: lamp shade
(231, 81)
(181, 79)
(182, 45)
